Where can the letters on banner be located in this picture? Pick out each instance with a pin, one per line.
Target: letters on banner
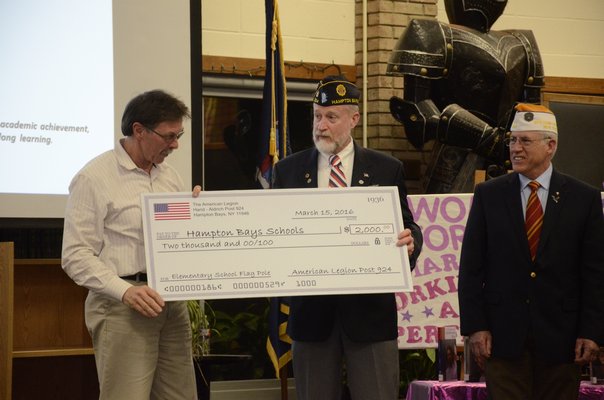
(433, 301)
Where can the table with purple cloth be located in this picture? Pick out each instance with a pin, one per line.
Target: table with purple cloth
(460, 390)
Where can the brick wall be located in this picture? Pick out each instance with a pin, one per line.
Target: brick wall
(386, 20)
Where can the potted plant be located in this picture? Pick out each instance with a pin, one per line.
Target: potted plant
(416, 364)
(202, 317)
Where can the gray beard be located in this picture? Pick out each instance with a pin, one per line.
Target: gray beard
(325, 147)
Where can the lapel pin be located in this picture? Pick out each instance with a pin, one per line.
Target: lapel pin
(556, 197)
(361, 181)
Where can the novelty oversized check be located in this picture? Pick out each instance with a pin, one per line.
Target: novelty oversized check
(279, 242)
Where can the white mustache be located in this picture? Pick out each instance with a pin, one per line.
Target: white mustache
(320, 135)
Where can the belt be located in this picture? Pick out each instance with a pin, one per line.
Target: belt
(138, 277)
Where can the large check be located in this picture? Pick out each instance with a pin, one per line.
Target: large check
(279, 242)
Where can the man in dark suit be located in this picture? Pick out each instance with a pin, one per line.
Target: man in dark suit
(360, 329)
(531, 288)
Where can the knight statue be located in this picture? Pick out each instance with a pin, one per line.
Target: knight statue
(461, 81)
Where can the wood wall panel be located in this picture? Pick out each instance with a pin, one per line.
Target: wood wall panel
(293, 69)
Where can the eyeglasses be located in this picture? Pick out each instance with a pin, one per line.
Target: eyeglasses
(169, 138)
(524, 142)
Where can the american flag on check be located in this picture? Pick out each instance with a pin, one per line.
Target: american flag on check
(167, 211)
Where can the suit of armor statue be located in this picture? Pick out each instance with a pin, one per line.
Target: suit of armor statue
(461, 81)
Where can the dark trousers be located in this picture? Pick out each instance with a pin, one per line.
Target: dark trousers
(528, 378)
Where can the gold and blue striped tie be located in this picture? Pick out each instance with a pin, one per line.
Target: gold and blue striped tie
(534, 219)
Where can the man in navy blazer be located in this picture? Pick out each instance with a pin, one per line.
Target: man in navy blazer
(360, 329)
(533, 319)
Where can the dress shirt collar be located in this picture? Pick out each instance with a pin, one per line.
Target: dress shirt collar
(543, 179)
(347, 158)
(125, 161)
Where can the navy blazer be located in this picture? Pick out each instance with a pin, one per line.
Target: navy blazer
(555, 299)
(365, 317)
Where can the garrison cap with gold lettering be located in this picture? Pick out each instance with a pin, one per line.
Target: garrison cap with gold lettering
(335, 90)
(533, 117)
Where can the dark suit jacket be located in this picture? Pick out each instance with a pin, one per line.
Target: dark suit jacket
(367, 317)
(556, 299)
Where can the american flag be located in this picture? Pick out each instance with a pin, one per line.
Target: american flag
(165, 211)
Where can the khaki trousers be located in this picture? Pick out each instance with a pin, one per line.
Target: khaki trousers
(140, 358)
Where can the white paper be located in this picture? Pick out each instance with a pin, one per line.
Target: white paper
(279, 242)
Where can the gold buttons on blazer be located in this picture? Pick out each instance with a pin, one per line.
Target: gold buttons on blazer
(533, 274)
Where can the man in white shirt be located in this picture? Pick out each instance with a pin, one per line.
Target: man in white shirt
(142, 344)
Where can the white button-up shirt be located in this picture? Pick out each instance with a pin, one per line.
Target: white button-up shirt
(103, 234)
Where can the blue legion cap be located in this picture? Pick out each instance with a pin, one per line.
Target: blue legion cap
(335, 90)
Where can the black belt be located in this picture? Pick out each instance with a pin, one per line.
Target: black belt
(138, 277)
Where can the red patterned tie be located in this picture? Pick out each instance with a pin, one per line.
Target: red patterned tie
(534, 218)
(336, 176)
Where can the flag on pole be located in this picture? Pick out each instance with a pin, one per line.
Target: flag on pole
(274, 144)
(278, 344)
(274, 140)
